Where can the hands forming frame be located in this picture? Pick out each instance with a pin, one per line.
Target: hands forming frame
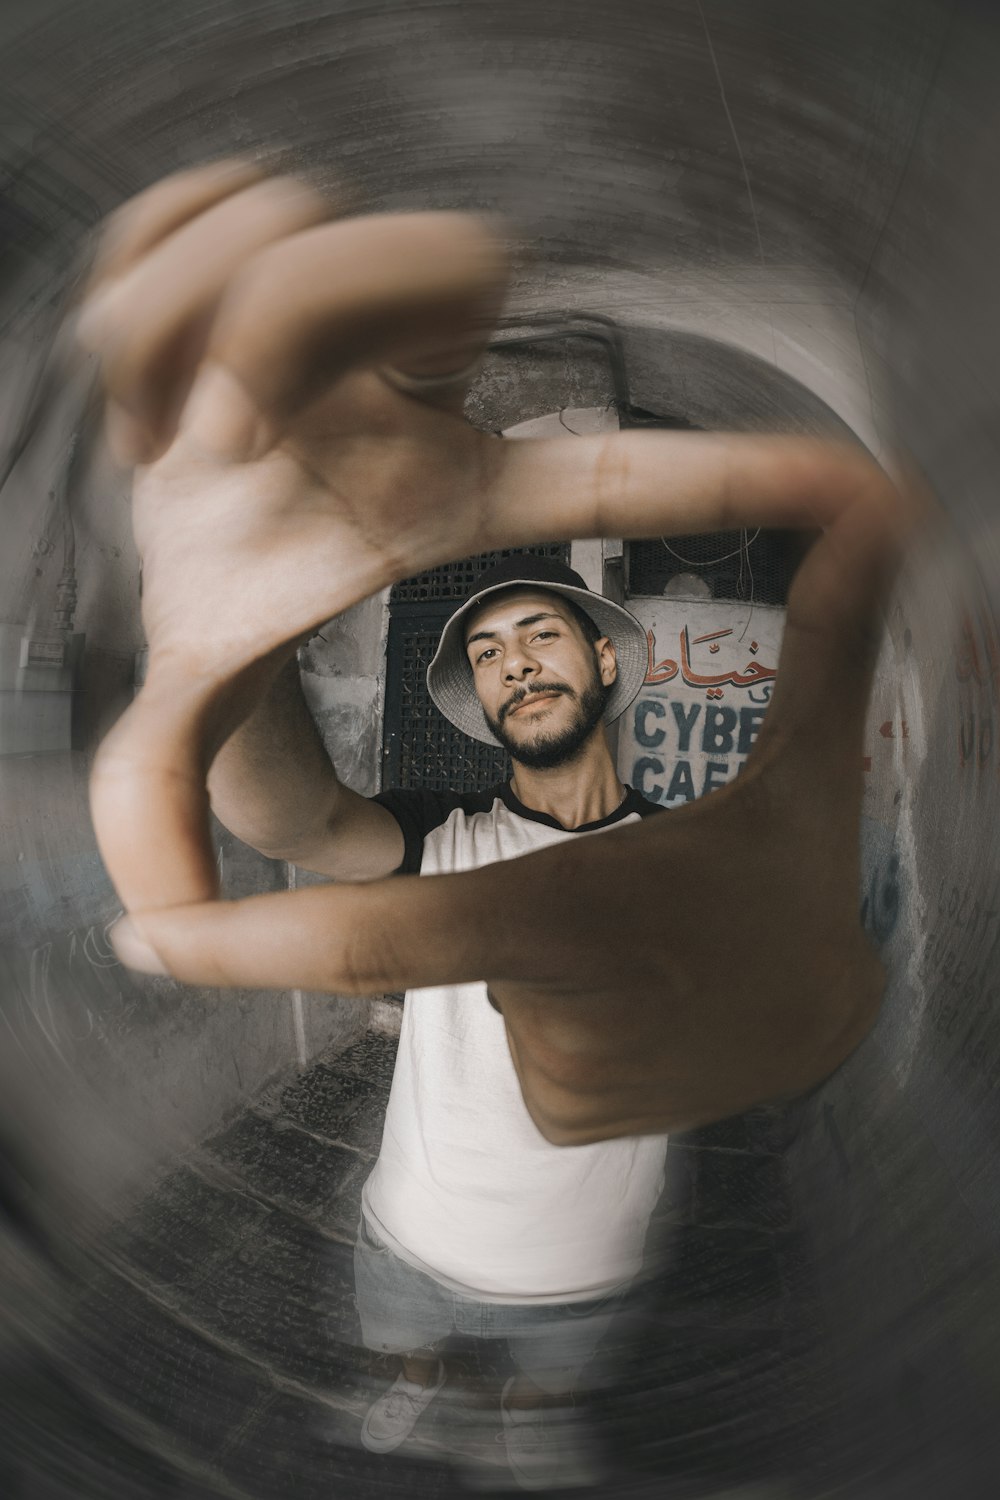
(284, 380)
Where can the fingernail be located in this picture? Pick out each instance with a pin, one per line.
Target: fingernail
(134, 951)
(221, 417)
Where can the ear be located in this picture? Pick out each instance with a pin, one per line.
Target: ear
(607, 661)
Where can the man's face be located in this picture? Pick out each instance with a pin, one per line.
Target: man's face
(542, 684)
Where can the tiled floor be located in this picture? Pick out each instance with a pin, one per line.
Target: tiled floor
(218, 1352)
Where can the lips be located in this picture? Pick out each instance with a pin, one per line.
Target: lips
(531, 702)
(534, 700)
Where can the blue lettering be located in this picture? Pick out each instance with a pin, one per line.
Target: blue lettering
(685, 724)
(716, 775)
(750, 721)
(681, 782)
(717, 738)
(646, 706)
(648, 763)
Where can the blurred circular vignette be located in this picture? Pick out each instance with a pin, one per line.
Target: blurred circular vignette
(760, 217)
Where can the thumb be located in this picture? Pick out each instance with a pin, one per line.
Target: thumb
(400, 933)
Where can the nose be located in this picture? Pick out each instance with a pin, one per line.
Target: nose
(519, 665)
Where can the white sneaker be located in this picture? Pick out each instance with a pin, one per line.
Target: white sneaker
(548, 1448)
(390, 1420)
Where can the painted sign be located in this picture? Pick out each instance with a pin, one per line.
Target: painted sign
(711, 670)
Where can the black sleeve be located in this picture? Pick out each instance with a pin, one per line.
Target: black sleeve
(635, 802)
(417, 814)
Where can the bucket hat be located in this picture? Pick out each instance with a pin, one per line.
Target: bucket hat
(449, 676)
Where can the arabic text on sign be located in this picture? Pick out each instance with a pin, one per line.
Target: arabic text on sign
(753, 674)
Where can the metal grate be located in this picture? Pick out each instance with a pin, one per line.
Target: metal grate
(763, 568)
(421, 748)
(455, 580)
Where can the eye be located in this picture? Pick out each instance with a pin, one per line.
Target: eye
(485, 655)
(541, 634)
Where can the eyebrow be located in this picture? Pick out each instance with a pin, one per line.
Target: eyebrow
(492, 635)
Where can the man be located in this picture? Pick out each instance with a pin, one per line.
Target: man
(471, 1221)
(291, 386)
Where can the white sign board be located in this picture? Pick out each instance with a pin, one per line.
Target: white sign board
(712, 666)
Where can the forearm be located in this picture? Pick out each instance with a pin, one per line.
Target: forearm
(273, 783)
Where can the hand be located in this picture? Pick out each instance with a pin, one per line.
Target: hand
(281, 484)
(247, 336)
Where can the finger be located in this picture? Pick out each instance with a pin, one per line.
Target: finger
(151, 323)
(648, 484)
(403, 933)
(833, 628)
(642, 484)
(445, 387)
(406, 290)
(443, 376)
(150, 217)
(151, 773)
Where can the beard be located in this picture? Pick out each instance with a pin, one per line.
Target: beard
(558, 746)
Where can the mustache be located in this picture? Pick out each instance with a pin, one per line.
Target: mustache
(540, 689)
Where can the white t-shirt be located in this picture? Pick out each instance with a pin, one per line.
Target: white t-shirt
(465, 1187)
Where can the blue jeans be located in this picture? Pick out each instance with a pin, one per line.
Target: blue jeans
(403, 1311)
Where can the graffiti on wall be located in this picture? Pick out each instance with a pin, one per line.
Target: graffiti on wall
(708, 683)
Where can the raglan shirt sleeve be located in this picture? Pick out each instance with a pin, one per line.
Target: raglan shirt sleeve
(418, 814)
